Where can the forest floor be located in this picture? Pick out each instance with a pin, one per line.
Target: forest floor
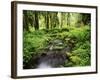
(66, 47)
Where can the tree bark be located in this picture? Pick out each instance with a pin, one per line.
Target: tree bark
(36, 24)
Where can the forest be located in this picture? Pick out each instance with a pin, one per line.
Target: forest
(56, 39)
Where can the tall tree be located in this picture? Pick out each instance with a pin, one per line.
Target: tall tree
(68, 19)
(25, 20)
(36, 20)
(61, 20)
(47, 19)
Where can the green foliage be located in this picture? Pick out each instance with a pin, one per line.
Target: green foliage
(33, 42)
(75, 59)
(80, 54)
(76, 38)
(82, 50)
(80, 34)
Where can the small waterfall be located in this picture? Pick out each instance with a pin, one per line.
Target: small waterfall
(44, 65)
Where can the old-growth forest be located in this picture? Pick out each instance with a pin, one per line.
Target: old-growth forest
(56, 39)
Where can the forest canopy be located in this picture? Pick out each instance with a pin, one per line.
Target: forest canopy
(47, 34)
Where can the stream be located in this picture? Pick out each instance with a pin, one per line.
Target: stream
(53, 56)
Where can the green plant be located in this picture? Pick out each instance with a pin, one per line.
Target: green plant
(78, 39)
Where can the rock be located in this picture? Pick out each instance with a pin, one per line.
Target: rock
(56, 44)
(57, 41)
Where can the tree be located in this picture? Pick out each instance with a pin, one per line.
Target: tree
(36, 20)
(83, 19)
(86, 18)
(25, 21)
(61, 20)
(68, 19)
(53, 19)
(47, 19)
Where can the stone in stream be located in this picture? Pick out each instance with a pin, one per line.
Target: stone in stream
(56, 44)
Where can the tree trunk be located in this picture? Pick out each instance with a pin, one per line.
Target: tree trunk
(36, 24)
(25, 21)
(68, 19)
(47, 20)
